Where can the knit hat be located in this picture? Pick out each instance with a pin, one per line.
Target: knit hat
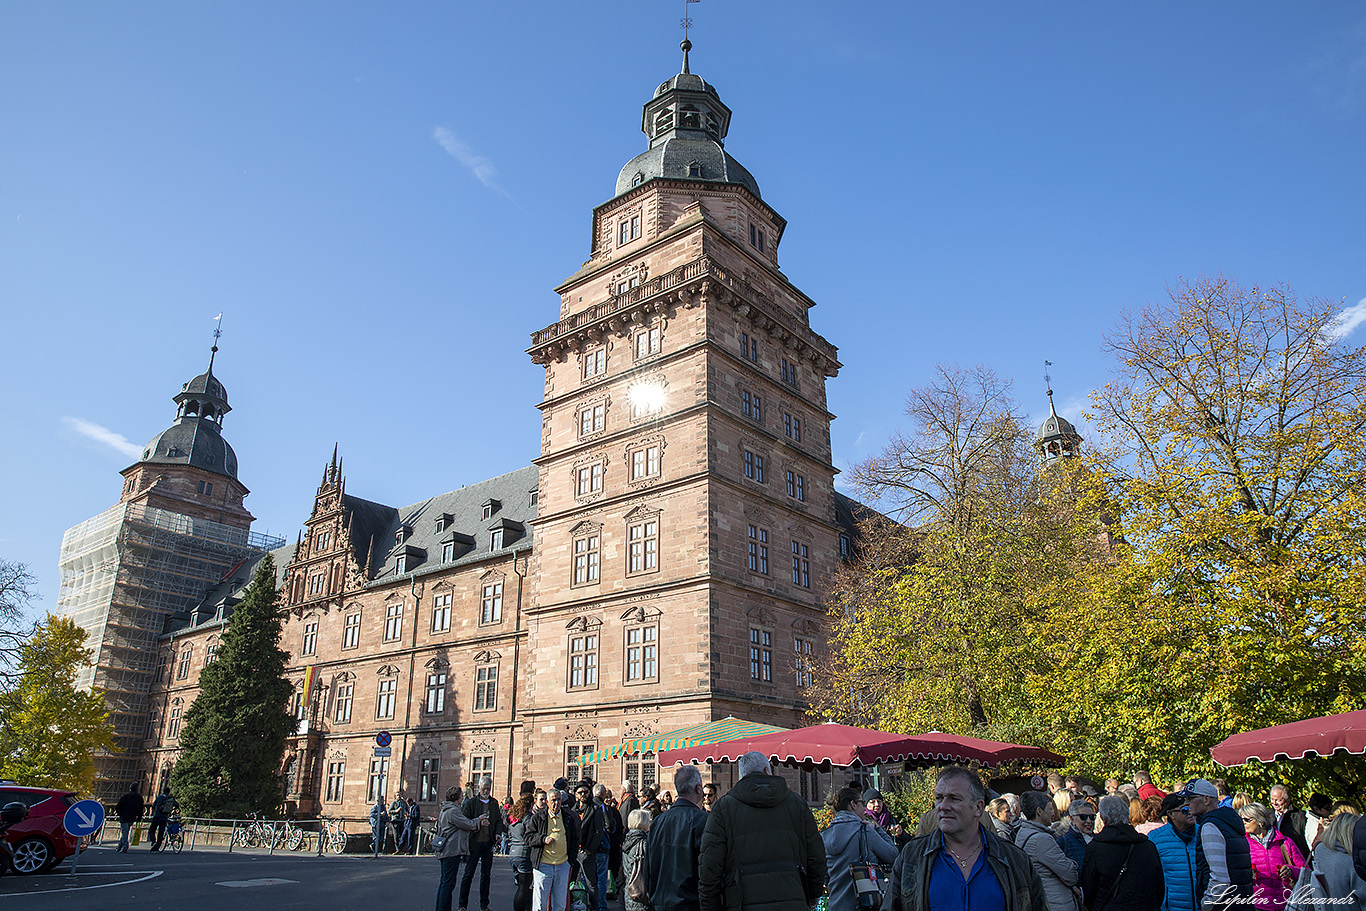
(872, 794)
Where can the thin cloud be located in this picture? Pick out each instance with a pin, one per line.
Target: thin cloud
(482, 169)
(103, 435)
(1346, 322)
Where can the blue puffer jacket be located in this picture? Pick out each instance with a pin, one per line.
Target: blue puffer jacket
(1178, 868)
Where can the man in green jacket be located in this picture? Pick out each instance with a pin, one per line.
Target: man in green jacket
(962, 865)
(761, 850)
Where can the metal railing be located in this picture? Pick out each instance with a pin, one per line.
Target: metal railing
(312, 836)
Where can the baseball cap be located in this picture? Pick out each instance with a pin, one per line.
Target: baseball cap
(1198, 787)
(1171, 802)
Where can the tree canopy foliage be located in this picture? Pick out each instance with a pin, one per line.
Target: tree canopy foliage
(234, 733)
(17, 590)
(1199, 573)
(49, 730)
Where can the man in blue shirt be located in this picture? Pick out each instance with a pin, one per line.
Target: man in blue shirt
(963, 866)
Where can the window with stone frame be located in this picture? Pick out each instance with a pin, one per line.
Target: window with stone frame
(752, 406)
(802, 650)
(441, 612)
(756, 237)
(796, 486)
(336, 778)
(594, 362)
(436, 693)
(351, 630)
(801, 565)
(587, 556)
(486, 688)
(749, 347)
(588, 479)
(583, 660)
(754, 466)
(393, 621)
(645, 462)
(788, 370)
(386, 695)
(379, 772)
(592, 419)
(321, 541)
(642, 546)
(846, 546)
(173, 723)
(428, 780)
(211, 654)
(573, 751)
(642, 769)
(647, 341)
(628, 229)
(761, 654)
(310, 644)
(183, 669)
(342, 713)
(317, 583)
(481, 764)
(491, 603)
(792, 427)
(642, 653)
(758, 550)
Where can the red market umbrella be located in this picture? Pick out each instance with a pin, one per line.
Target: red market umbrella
(1296, 740)
(840, 745)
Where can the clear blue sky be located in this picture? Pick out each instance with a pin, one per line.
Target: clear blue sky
(381, 196)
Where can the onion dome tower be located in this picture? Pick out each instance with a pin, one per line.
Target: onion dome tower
(196, 437)
(1057, 438)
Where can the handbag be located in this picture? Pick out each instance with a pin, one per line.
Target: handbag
(866, 876)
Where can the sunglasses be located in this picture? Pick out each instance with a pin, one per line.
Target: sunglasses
(1084, 816)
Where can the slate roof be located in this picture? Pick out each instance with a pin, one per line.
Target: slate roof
(217, 605)
(193, 441)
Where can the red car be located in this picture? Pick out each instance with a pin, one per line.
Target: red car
(40, 842)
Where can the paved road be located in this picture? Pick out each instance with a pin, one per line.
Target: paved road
(218, 881)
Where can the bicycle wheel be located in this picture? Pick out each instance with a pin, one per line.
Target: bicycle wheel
(178, 842)
(294, 838)
(338, 842)
(240, 837)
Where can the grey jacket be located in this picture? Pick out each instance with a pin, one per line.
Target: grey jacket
(1057, 871)
(456, 826)
(844, 846)
(1340, 876)
(910, 888)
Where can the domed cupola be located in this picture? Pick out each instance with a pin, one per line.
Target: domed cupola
(1057, 438)
(686, 123)
(196, 439)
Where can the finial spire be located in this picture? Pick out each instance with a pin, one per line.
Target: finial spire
(687, 46)
(686, 23)
(217, 331)
(1048, 386)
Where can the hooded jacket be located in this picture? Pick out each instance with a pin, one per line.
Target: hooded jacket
(851, 839)
(1058, 872)
(673, 847)
(1179, 877)
(632, 853)
(452, 822)
(1118, 847)
(761, 850)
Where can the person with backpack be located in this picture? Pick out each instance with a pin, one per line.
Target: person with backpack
(636, 890)
(451, 842)
(162, 809)
(853, 845)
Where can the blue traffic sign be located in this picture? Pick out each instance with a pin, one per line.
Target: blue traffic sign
(83, 817)
(384, 738)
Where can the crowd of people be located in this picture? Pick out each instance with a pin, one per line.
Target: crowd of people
(1134, 847)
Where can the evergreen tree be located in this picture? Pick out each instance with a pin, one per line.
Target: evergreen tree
(49, 730)
(233, 739)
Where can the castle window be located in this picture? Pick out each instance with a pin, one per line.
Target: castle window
(345, 691)
(642, 653)
(448, 552)
(183, 670)
(749, 347)
(427, 791)
(490, 507)
(385, 697)
(644, 462)
(792, 427)
(496, 539)
(316, 583)
(321, 540)
(751, 404)
(628, 230)
(754, 466)
(211, 654)
(336, 774)
(594, 362)
(586, 555)
(436, 692)
(351, 631)
(758, 550)
(761, 655)
(491, 603)
(796, 486)
(789, 372)
(379, 771)
(801, 565)
(589, 479)
(756, 237)
(400, 564)
(647, 342)
(627, 284)
(533, 497)
(642, 547)
(583, 662)
(206, 488)
(310, 646)
(441, 613)
(486, 688)
(592, 419)
(393, 621)
(173, 724)
(801, 661)
(846, 545)
(442, 521)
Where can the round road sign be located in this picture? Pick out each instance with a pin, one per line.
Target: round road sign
(83, 817)
(384, 738)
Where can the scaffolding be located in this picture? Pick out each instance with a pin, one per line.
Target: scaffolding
(124, 573)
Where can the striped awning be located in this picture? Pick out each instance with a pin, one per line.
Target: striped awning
(695, 735)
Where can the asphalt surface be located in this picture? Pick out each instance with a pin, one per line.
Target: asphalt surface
(214, 880)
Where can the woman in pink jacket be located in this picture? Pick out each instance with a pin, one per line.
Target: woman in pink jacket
(1275, 859)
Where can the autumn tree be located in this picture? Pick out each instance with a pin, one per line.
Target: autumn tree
(1238, 477)
(50, 730)
(17, 591)
(936, 625)
(234, 733)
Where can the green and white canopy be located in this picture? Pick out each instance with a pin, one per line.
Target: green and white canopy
(695, 735)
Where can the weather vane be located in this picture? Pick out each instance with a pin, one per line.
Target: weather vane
(1048, 380)
(685, 23)
(217, 331)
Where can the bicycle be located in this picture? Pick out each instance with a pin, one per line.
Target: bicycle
(175, 834)
(333, 834)
(289, 836)
(257, 833)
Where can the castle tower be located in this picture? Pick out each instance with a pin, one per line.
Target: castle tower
(1057, 438)
(686, 524)
(179, 527)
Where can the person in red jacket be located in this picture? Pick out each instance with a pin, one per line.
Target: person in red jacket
(1144, 782)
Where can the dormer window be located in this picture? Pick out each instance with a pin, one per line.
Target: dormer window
(496, 540)
(638, 179)
(491, 506)
(402, 534)
(443, 521)
(448, 552)
(694, 169)
(400, 564)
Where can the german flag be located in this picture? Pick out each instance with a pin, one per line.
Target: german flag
(310, 684)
